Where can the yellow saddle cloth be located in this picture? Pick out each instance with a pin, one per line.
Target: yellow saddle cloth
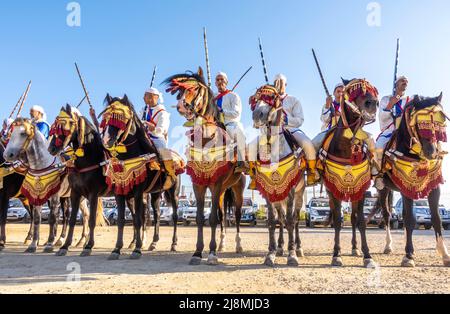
(39, 187)
(347, 183)
(415, 179)
(275, 181)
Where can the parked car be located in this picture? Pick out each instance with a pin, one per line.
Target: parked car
(248, 213)
(317, 212)
(16, 211)
(113, 216)
(378, 219)
(167, 213)
(45, 213)
(190, 213)
(421, 210)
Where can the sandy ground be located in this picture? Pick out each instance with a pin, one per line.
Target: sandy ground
(165, 272)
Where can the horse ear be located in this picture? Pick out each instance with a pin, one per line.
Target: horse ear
(68, 108)
(345, 82)
(439, 98)
(125, 99)
(200, 72)
(108, 98)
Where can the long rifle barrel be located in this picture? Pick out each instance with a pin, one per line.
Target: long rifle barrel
(397, 54)
(208, 69)
(25, 96)
(263, 61)
(84, 87)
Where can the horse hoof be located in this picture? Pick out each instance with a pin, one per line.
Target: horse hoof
(337, 262)
(85, 253)
(61, 252)
(370, 263)
(114, 257)
(239, 250)
(49, 249)
(387, 251)
(173, 248)
(407, 262)
(31, 249)
(136, 255)
(280, 252)
(195, 261)
(270, 260)
(213, 260)
(300, 253)
(292, 261)
(356, 252)
(447, 262)
(152, 247)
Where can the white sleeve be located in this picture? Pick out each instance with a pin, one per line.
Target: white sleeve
(326, 115)
(232, 107)
(295, 115)
(163, 124)
(385, 115)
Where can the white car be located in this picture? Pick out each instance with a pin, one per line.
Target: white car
(16, 211)
(190, 213)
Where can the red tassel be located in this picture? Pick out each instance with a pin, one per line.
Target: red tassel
(117, 167)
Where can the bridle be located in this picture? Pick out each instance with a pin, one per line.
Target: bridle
(119, 116)
(66, 125)
(30, 130)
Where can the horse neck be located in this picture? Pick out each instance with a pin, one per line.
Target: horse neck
(137, 144)
(341, 146)
(37, 154)
(93, 148)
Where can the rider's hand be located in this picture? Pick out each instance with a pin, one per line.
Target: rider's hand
(150, 126)
(392, 101)
(92, 112)
(329, 102)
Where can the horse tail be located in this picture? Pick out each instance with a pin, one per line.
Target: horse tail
(228, 202)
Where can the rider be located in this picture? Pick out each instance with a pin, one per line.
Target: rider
(328, 117)
(390, 113)
(230, 106)
(39, 118)
(157, 122)
(294, 120)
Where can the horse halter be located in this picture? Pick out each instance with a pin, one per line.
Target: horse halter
(428, 123)
(66, 125)
(269, 95)
(355, 89)
(30, 131)
(119, 116)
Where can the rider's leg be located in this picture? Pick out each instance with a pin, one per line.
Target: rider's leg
(310, 153)
(318, 140)
(376, 169)
(171, 177)
(236, 132)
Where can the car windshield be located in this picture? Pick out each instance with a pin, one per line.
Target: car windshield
(15, 203)
(421, 203)
(247, 202)
(422, 211)
(320, 204)
(370, 202)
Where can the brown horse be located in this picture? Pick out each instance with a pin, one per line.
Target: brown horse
(413, 166)
(217, 174)
(344, 161)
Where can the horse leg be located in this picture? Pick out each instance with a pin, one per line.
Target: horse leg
(86, 218)
(120, 201)
(298, 207)
(37, 223)
(172, 198)
(270, 257)
(238, 192)
(66, 214)
(335, 206)
(213, 222)
(354, 220)
(156, 202)
(4, 204)
(137, 222)
(199, 192)
(433, 201)
(53, 223)
(130, 204)
(384, 202)
(291, 218)
(362, 226)
(146, 221)
(75, 202)
(280, 248)
(410, 223)
(222, 215)
(92, 215)
(27, 206)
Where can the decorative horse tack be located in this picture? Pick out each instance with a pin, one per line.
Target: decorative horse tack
(120, 116)
(40, 185)
(66, 125)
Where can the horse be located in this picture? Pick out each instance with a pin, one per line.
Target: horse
(211, 162)
(412, 165)
(278, 167)
(11, 182)
(45, 181)
(344, 162)
(135, 168)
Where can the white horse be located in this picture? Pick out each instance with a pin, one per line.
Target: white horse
(29, 145)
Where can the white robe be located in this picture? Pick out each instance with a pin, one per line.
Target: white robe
(387, 123)
(161, 119)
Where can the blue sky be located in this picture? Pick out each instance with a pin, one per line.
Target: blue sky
(119, 42)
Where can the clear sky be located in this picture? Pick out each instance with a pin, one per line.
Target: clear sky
(119, 42)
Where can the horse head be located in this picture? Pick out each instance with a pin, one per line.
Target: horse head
(119, 121)
(195, 101)
(67, 128)
(360, 99)
(423, 127)
(22, 133)
(267, 108)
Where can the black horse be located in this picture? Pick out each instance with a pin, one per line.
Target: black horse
(410, 134)
(121, 127)
(10, 188)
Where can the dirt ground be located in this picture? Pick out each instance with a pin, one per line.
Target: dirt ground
(165, 272)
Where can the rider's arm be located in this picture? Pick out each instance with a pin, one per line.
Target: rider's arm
(162, 124)
(232, 106)
(385, 114)
(295, 115)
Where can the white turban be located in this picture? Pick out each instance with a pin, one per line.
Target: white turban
(222, 74)
(41, 110)
(280, 77)
(401, 78)
(339, 85)
(154, 91)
